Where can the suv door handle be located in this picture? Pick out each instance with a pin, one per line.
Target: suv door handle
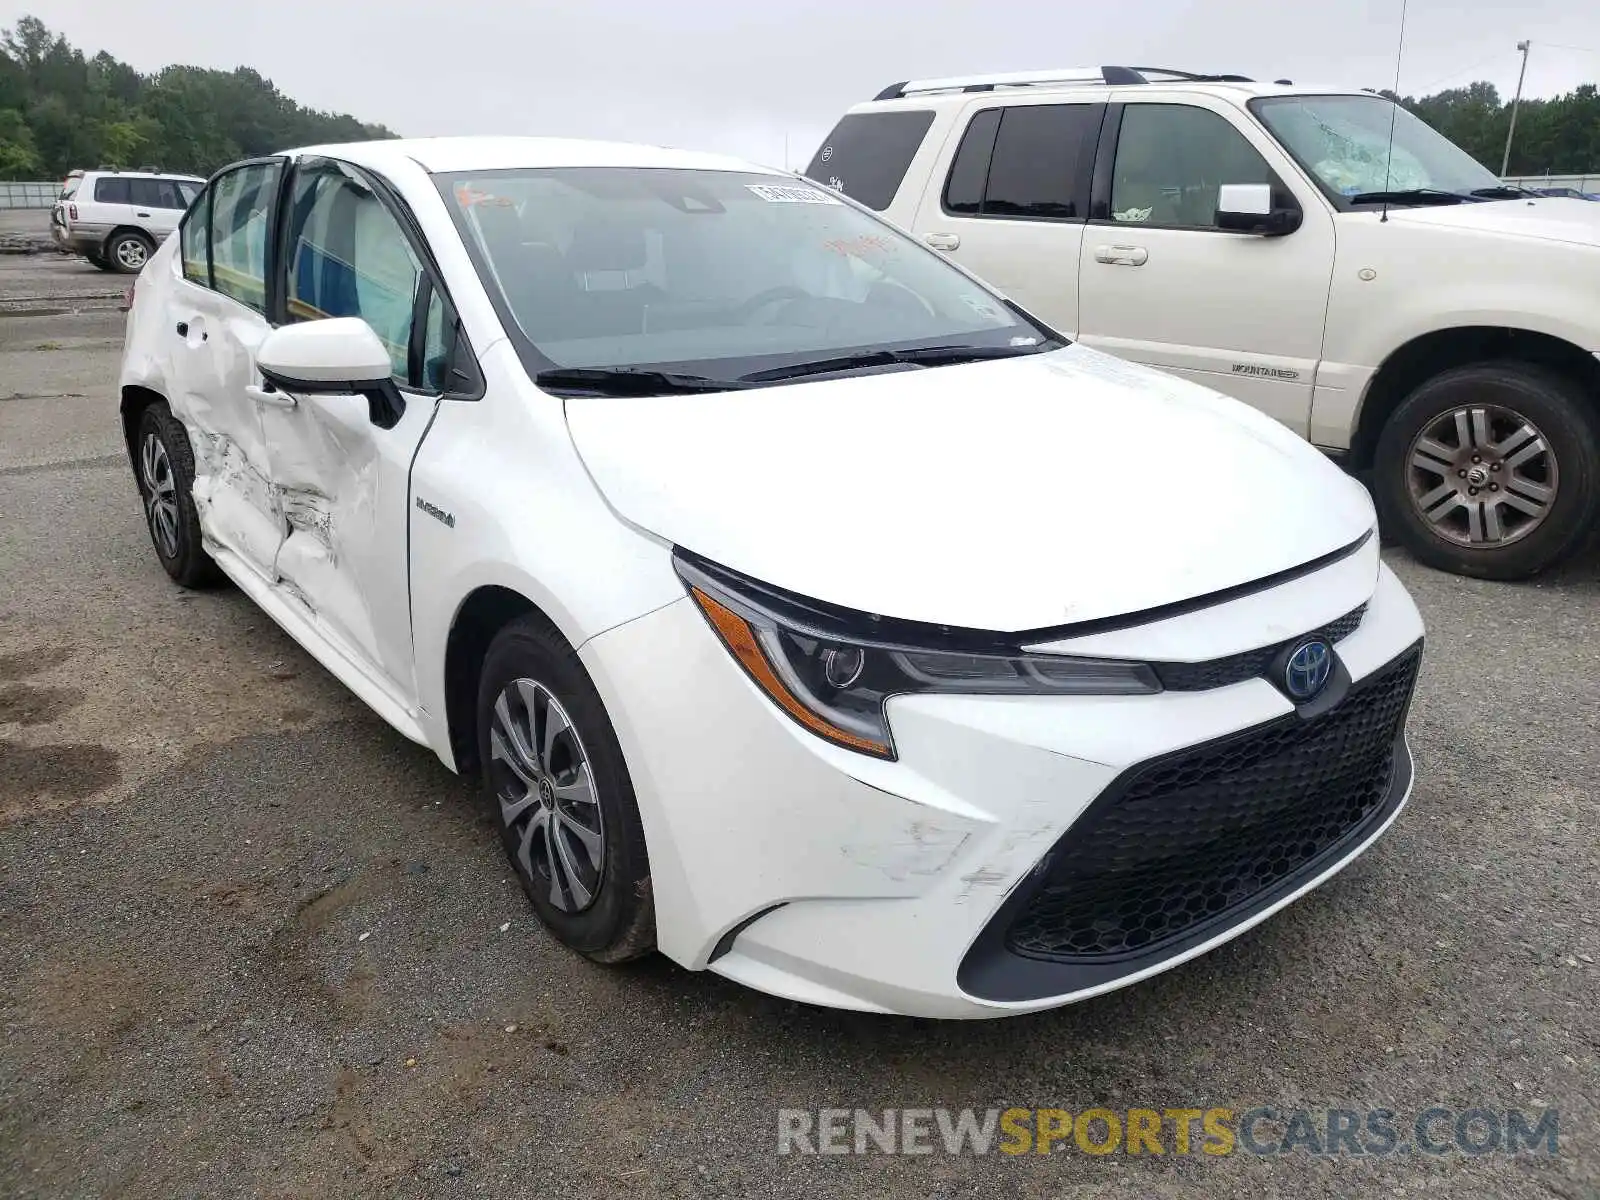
(942, 241)
(270, 396)
(140, 214)
(1122, 256)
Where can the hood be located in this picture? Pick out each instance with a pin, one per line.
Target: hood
(1005, 496)
(1552, 219)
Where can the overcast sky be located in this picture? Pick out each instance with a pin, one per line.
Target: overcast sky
(744, 76)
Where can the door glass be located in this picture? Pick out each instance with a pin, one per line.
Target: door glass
(1172, 160)
(349, 258)
(146, 193)
(1038, 156)
(241, 218)
(963, 191)
(193, 243)
(438, 344)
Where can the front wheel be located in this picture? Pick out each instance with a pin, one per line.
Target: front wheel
(554, 776)
(1491, 470)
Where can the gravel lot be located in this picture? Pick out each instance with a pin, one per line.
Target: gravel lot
(253, 942)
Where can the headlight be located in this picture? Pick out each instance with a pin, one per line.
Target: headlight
(834, 679)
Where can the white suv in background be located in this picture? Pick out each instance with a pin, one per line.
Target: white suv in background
(1407, 312)
(116, 219)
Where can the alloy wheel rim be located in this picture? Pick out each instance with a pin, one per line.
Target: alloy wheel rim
(130, 253)
(1482, 476)
(160, 495)
(548, 801)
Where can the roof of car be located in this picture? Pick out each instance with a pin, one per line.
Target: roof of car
(449, 154)
(1238, 89)
(138, 174)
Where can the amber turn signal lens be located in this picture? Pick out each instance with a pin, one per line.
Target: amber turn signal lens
(736, 633)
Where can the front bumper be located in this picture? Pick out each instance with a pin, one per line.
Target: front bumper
(814, 873)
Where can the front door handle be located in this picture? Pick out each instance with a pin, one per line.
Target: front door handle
(1122, 256)
(270, 396)
(942, 241)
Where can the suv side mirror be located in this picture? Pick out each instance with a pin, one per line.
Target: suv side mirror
(336, 356)
(1249, 208)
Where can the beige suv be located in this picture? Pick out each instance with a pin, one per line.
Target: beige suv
(116, 219)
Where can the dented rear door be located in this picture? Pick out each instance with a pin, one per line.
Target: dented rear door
(218, 320)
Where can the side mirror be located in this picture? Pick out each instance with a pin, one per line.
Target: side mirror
(1248, 208)
(333, 357)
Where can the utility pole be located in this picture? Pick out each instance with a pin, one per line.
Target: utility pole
(1505, 165)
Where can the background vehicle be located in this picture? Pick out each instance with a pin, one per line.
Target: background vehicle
(1568, 193)
(643, 485)
(116, 219)
(1406, 311)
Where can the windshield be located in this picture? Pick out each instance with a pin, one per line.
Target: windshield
(718, 273)
(1344, 140)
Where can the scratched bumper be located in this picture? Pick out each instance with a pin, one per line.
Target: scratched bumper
(824, 876)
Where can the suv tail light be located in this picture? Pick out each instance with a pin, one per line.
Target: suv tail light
(72, 211)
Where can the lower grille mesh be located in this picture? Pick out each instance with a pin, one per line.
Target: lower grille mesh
(1185, 840)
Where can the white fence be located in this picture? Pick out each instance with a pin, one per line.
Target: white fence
(1584, 183)
(28, 195)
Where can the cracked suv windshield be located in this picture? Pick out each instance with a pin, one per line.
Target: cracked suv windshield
(722, 275)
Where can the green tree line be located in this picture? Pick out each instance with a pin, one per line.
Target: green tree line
(61, 110)
(1559, 136)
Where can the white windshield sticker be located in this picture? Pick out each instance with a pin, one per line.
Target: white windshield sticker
(781, 194)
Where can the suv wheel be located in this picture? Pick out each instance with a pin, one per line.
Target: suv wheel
(164, 465)
(128, 252)
(97, 259)
(1491, 470)
(554, 776)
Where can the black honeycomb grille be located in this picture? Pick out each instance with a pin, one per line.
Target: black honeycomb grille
(1251, 664)
(1188, 840)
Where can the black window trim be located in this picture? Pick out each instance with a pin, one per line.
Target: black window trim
(463, 363)
(1106, 162)
(1083, 172)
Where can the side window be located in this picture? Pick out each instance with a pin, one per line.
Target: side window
(867, 154)
(241, 223)
(187, 192)
(168, 196)
(147, 194)
(1027, 161)
(1172, 160)
(111, 191)
(963, 191)
(194, 241)
(348, 257)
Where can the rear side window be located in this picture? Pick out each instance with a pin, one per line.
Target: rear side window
(241, 216)
(1028, 161)
(146, 193)
(112, 191)
(867, 154)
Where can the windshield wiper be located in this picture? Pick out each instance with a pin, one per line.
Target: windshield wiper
(1504, 191)
(628, 381)
(1413, 196)
(916, 356)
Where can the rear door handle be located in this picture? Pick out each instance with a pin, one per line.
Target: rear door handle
(1122, 256)
(942, 241)
(270, 396)
(141, 214)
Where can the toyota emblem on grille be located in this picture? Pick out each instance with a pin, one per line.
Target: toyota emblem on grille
(1307, 670)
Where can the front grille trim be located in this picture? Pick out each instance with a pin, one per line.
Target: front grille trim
(993, 970)
(1248, 664)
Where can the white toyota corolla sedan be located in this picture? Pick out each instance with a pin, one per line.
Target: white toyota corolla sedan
(809, 611)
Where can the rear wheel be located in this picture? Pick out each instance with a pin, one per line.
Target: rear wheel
(554, 776)
(164, 466)
(99, 260)
(128, 252)
(1491, 470)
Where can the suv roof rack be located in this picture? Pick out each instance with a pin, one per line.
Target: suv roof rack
(1091, 76)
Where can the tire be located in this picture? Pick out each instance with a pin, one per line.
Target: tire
(596, 900)
(99, 260)
(1539, 491)
(128, 251)
(164, 469)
